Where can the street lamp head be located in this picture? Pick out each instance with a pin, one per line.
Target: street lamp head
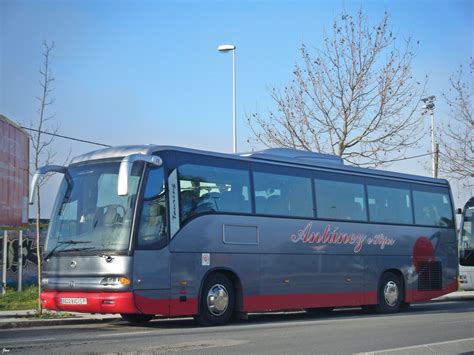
(226, 48)
(429, 99)
(428, 106)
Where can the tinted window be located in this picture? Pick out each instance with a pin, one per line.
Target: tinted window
(466, 240)
(283, 195)
(432, 208)
(152, 230)
(389, 204)
(340, 200)
(211, 189)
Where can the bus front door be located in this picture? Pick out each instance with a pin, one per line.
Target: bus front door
(151, 281)
(151, 260)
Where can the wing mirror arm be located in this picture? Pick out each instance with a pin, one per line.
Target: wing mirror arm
(39, 173)
(126, 166)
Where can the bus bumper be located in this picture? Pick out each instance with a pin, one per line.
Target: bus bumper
(89, 302)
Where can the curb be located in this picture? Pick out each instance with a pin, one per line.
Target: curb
(450, 299)
(455, 296)
(52, 322)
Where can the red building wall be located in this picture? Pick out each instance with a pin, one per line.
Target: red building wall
(14, 179)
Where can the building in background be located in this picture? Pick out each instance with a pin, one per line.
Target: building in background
(14, 184)
(14, 176)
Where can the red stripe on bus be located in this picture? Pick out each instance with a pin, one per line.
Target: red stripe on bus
(128, 302)
(96, 302)
(415, 295)
(167, 307)
(296, 301)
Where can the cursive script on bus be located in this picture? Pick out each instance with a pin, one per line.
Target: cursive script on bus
(332, 235)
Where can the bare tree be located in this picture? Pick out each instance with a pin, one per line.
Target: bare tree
(456, 142)
(355, 97)
(41, 144)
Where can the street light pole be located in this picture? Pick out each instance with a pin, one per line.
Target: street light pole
(227, 48)
(433, 145)
(429, 107)
(234, 104)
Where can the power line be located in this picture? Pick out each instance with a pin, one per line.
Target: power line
(457, 164)
(406, 158)
(66, 137)
(412, 157)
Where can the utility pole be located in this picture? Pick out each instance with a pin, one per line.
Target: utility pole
(4, 262)
(436, 161)
(429, 108)
(20, 261)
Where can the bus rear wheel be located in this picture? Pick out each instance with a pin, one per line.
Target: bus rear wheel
(217, 301)
(137, 318)
(390, 294)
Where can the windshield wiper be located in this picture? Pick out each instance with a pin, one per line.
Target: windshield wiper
(76, 249)
(65, 242)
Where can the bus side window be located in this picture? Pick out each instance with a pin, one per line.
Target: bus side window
(208, 189)
(432, 208)
(283, 195)
(389, 204)
(342, 200)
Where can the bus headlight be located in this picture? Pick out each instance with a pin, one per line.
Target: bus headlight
(115, 281)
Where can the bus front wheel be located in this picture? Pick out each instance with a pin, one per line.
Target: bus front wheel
(217, 301)
(390, 294)
(137, 318)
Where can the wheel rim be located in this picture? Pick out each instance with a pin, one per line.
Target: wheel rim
(390, 293)
(217, 300)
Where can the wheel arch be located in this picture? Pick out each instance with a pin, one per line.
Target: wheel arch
(233, 278)
(400, 276)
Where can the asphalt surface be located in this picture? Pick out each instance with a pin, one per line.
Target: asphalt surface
(442, 327)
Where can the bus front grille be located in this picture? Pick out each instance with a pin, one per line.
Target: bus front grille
(430, 276)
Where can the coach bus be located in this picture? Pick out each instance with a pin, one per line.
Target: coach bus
(466, 248)
(156, 230)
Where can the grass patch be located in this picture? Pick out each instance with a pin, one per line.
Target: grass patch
(27, 300)
(51, 315)
(13, 301)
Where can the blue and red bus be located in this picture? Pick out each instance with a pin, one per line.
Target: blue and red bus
(157, 230)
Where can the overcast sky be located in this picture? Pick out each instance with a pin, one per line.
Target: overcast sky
(132, 72)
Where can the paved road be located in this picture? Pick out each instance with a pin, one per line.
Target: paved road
(443, 325)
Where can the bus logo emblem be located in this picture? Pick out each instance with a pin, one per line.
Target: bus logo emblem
(73, 264)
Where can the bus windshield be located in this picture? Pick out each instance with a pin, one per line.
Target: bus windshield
(466, 242)
(89, 216)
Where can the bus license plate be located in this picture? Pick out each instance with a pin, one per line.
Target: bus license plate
(73, 300)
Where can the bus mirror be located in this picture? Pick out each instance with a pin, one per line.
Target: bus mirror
(126, 169)
(39, 173)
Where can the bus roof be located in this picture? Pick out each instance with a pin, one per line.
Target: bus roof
(275, 156)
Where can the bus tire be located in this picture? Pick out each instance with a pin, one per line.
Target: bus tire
(217, 301)
(137, 318)
(390, 294)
